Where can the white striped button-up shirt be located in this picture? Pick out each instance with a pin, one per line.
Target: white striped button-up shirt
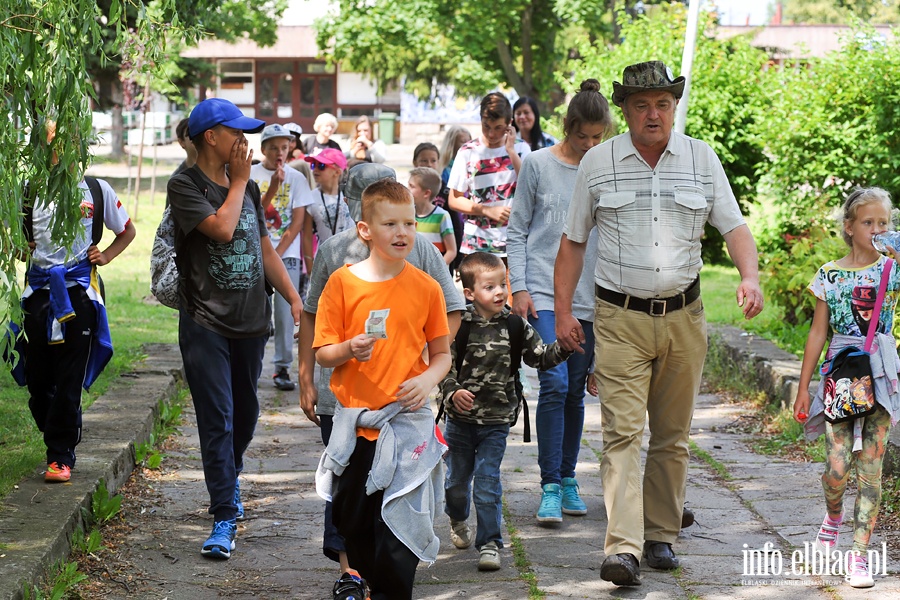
(650, 220)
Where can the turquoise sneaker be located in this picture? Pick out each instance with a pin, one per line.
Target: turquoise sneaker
(550, 510)
(572, 504)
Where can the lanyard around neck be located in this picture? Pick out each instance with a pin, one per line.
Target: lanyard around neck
(332, 224)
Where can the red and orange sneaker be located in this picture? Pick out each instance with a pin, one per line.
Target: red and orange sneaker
(57, 473)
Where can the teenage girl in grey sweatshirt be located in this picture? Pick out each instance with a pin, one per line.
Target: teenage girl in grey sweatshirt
(545, 186)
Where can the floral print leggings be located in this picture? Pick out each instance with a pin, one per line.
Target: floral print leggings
(838, 447)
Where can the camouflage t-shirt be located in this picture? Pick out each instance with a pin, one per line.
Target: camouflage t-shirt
(485, 368)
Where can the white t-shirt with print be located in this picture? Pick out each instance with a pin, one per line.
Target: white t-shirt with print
(487, 174)
(293, 193)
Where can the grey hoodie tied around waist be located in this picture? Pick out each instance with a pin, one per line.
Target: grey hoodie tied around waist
(407, 466)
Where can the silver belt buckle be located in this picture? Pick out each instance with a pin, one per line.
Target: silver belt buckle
(657, 308)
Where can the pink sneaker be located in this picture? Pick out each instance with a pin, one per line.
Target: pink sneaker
(858, 575)
(827, 538)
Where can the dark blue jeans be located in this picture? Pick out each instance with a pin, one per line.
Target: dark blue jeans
(222, 374)
(559, 417)
(476, 452)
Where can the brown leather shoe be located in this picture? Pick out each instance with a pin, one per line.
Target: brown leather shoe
(659, 555)
(621, 569)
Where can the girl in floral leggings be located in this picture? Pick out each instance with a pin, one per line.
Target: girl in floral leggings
(845, 292)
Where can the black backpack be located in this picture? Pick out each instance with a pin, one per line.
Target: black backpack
(96, 224)
(516, 326)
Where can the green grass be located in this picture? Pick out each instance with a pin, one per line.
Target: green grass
(783, 436)
(719, 284)
(720, 469)
(133, 323)
(520, 558)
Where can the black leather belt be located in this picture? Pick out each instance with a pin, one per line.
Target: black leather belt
(655, 307)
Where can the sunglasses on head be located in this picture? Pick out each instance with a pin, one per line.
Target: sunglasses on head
(318, 165)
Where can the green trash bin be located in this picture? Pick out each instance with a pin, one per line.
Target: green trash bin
(386, 127)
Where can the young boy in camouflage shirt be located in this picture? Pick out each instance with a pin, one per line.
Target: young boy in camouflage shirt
(481, 403)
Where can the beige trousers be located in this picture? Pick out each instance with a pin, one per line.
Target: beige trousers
(646, 366)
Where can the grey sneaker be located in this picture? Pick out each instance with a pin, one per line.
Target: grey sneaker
(490, 557)
(460, 534)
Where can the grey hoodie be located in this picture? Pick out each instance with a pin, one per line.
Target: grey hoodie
(539, 213)
(407, 466)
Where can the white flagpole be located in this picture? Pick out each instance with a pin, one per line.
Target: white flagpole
(687, 61)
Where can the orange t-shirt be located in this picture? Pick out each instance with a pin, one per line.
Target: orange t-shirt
(417, 316)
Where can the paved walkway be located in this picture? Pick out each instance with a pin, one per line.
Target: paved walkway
(764, 501)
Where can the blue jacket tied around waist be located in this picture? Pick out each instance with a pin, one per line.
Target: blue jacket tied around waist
(84, 274)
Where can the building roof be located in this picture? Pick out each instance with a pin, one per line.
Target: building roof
(298, 41)
(796, 41)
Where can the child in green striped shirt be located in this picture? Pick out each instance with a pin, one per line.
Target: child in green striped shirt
(432, 221)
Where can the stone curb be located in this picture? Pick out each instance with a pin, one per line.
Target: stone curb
(37, 519)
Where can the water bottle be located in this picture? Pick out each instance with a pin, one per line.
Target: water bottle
(888, 238)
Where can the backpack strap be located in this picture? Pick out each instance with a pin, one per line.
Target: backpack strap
(516, 325)
(876, 311)
(256, 196)
(194, 175)
(99, 206)
(462, 342)
(28, 213)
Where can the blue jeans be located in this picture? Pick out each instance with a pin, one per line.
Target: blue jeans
(476, 452)
(559, 417)
(284, 321)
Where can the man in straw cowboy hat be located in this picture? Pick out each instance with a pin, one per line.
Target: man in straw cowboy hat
(649, 192)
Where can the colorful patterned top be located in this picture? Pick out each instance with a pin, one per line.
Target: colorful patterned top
(487, 174)
(293, 193)
(434, 226)
(850, 295)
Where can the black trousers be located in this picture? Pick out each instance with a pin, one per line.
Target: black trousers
(55, 372)
(384, 561)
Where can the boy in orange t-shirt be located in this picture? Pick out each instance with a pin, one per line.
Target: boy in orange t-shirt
(374, 319)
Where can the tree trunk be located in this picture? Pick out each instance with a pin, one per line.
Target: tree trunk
(117, 134)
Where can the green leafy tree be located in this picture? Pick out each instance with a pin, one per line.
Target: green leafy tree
(470, 44)
(834, 123)
(47, 51)
(840, 12)
(121, 66)
(43, 50)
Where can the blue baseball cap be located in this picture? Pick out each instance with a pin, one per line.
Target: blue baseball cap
(218, 111)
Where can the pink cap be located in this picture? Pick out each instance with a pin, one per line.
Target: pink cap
(329, 156)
